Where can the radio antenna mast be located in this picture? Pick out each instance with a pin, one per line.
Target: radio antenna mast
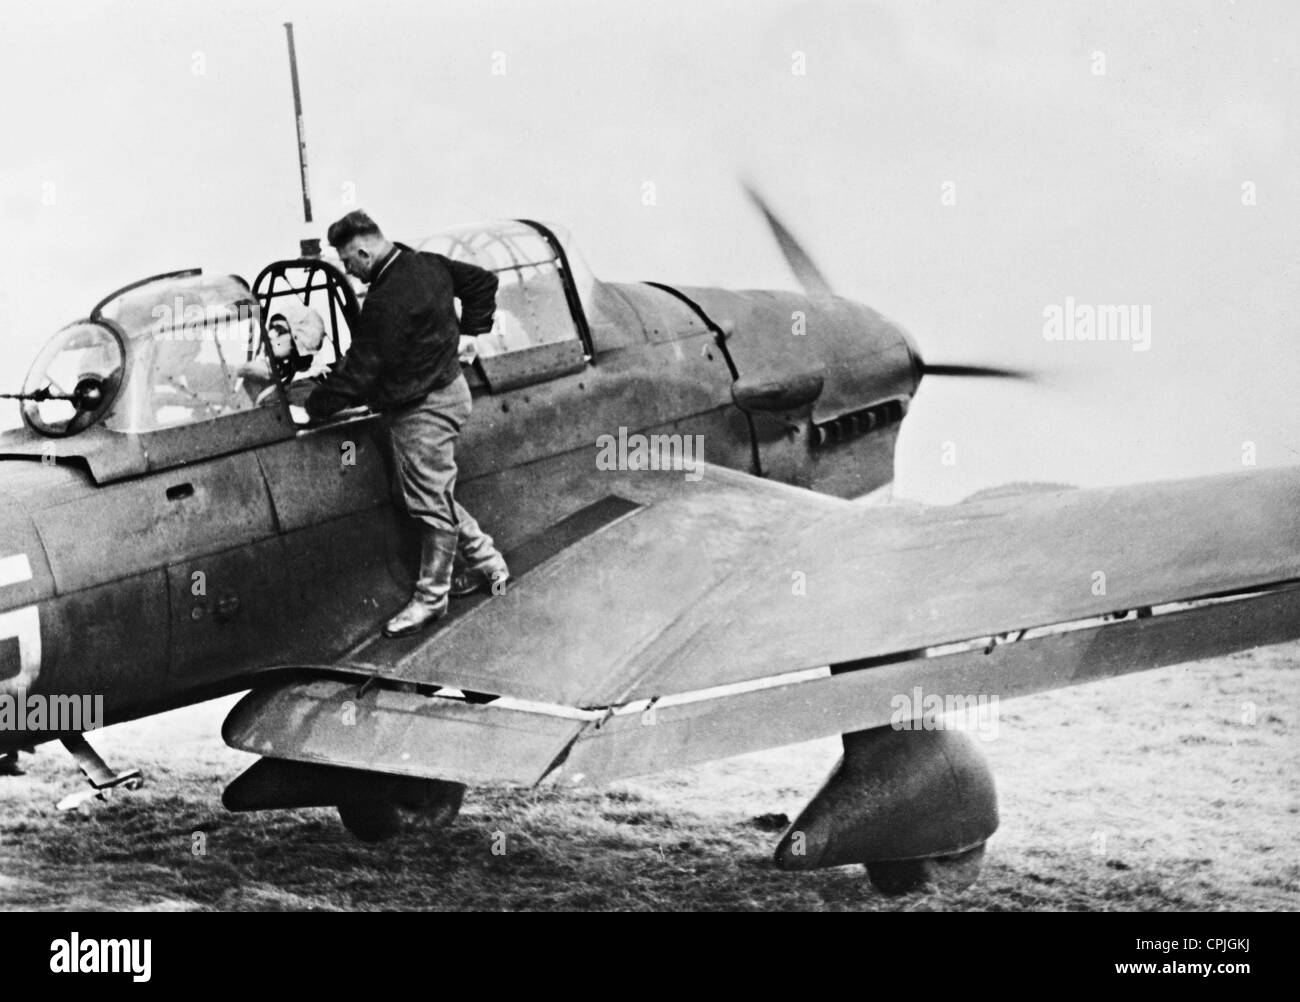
(308, 246)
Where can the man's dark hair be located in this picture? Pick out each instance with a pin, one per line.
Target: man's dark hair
(355, 224)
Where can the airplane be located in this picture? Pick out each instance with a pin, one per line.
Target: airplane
(692, 487)
(683, 484)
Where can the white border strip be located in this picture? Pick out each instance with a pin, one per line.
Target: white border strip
(809, 674)
(15, 570)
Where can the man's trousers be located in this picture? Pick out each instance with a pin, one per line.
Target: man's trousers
(424, 438)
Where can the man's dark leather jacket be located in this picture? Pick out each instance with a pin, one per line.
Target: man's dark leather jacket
(408, 340)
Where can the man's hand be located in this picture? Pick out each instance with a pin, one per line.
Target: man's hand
(322, 403)
(468, 349)
(303, 418)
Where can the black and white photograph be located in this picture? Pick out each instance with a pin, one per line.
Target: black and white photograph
(697, 456)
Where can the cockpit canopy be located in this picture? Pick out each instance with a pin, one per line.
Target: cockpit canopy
(540, 329)
(167, 351)
(186, 348)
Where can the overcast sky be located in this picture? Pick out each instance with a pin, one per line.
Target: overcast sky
(1099, 151)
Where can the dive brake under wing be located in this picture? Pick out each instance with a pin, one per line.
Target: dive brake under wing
(678, 621)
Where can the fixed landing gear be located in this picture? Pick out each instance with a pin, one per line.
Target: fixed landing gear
(374, 818)
(371, 820)
(944, 873)
(914, 806)
(372, 806)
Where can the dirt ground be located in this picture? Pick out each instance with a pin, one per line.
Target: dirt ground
(1177, 789)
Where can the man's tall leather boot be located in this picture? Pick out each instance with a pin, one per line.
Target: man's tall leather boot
(429, 601)
(479, 564)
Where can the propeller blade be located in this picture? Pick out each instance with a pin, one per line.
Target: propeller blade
(814, 284)
(812, 280)
(977, 371)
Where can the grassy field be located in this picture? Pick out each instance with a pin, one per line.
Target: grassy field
(1154, 791)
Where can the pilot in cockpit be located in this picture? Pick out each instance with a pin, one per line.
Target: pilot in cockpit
(296, 358)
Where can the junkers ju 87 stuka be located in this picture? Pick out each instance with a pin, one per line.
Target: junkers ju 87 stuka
(692, 489)
(683, 480)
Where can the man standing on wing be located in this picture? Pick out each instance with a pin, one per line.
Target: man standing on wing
(404, 361)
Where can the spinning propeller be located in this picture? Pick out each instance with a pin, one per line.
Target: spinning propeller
(814, 284)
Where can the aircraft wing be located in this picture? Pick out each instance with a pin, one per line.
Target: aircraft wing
(680, 621)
